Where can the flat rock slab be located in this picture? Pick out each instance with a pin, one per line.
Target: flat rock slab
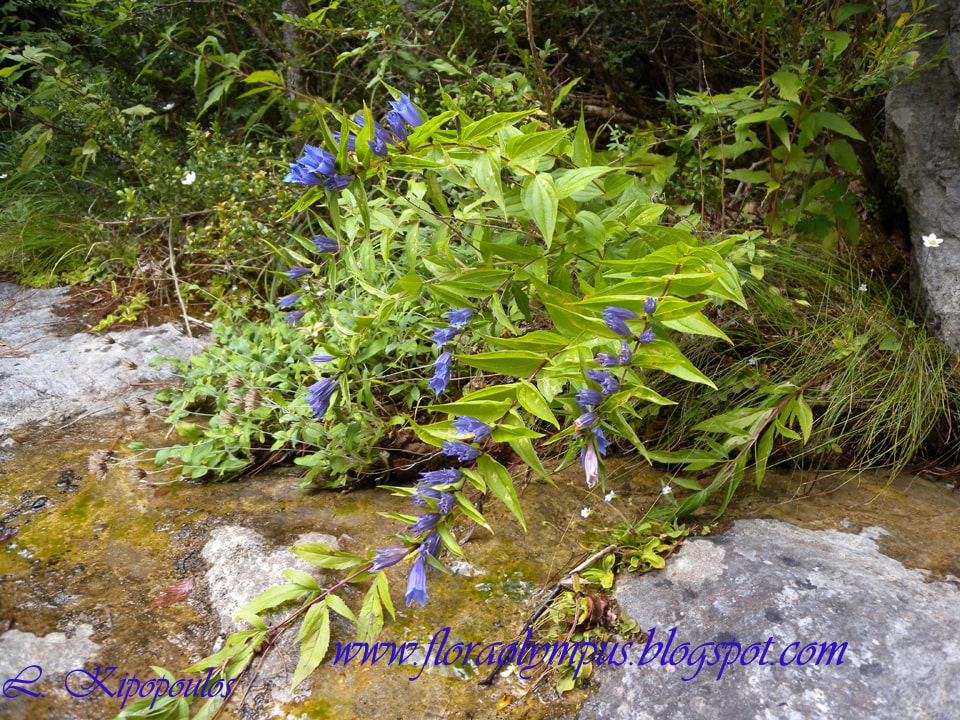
(773, 621)
(44, 376)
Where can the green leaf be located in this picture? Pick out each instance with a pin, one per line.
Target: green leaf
(470, 510)
(138, 110)
(836, 123)
(844, 155)
(486, 173)
(485, 127)
(661, 355)
(501, 484)
(543, 340)
(524, 449)
(488, 411)
(326, 557)
(540, 200)
(837, 42)
(788, 84)
(575, 180)
(314, 637)
(304, 580)
(534, 403)
(512, 363)
(804, 417)
(336, 603)
(274, 597)
(264, 76)
(532, 145)
(762, 454)
(697, 324)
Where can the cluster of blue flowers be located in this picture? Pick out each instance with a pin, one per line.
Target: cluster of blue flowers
(434, 490)
(318, 166)
(589, 399)
(458, 320)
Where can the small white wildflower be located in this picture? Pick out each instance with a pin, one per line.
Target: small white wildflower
(3, 176)
(586, 512)
(609, 496)
(666, 490)
(189, 177)
(168, 107)
(752, 362)
(932, 240)
(863, 287)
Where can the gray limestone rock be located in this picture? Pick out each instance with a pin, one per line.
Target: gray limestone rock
(47, 377)
(791, 624)
(924, 122)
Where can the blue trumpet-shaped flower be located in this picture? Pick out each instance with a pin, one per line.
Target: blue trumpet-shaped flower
(441, 336)
(607, 360)
(591, 464)
(441, 373)
(650, 306)
(625, 354)
(295, 316)
(397, 126)
(318, 396)
(295, 273)
(608, 383)
(406, 109)
(460, 450)
(458, 318)
(616, 319)
(425, 522)
(587, 398)
(388, 557)
(586, 420)
(468, 426)
(288, 300)
(449, 476)
(647, 336)
(417, 582)
(325, 244)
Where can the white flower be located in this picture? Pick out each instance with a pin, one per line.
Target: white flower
(609, 496)
(189, 177)
(585, 513)
(932, 240)
(752, 362)
(666, 490)
(3, 176)
(863, 287)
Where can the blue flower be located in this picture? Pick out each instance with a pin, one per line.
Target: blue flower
(441, 373)
(602, 442)
(441, 336)
(586, 420)
(388, 557)
(616, 319)
(431, 545)
(338, 182)
(325, 244)
(318, 396)
(647, 336)
(322, 358)
(302, 176)
(295, 316)
(405, 107)
(588, 398)
(649, 306)
(625, 354)
(608, 383)
(417, 582)
(379, 146)
(425, 522)
(459, 318)
(288, 300)
(468, 426)
(449, 476)
(351, 140)
(295, 273)
(607, 360)
(460, 450)
(397, 126)
(319, 161)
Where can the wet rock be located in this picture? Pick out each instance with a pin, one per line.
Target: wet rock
(38, 664)
(874, 638)
(242, 565)
(51, 378)
(923, 121)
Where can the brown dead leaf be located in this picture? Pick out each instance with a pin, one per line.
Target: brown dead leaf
(172, 594)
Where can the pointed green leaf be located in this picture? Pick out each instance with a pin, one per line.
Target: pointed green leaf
(533, 402)
(501, 484)
(314, 637)
(540, 200)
